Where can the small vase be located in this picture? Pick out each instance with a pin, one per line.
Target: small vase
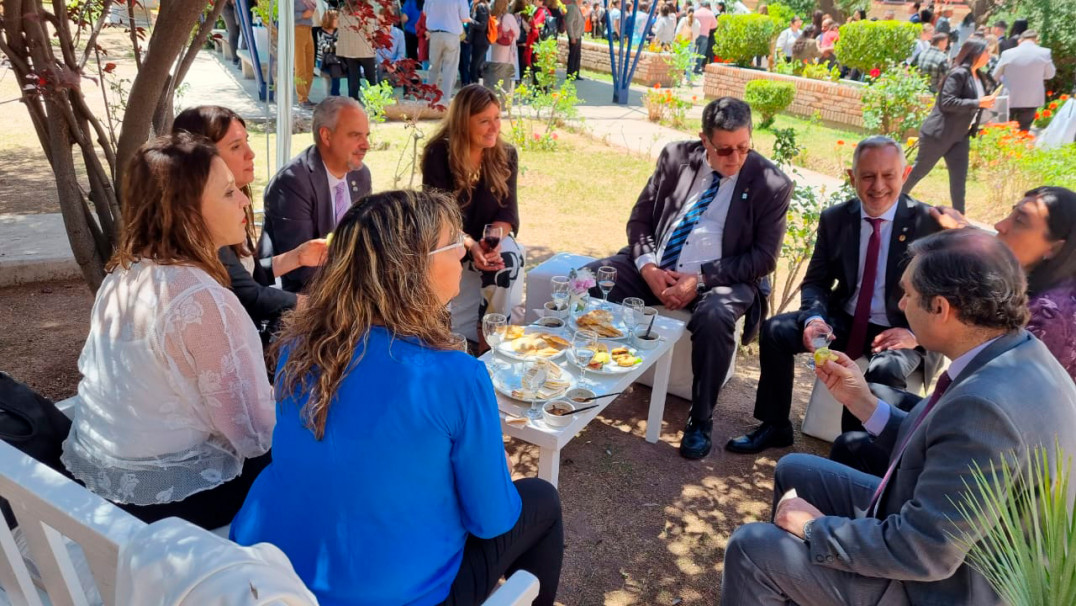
(578, 302)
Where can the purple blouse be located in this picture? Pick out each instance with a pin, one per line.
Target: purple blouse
(1053, 321)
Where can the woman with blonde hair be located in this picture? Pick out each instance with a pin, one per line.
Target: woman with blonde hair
(467, 158)
(388, 483)
(175, 413)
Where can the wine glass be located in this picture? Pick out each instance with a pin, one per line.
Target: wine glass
(584, 347)
(606, 281)
(532, 380)
(560, 291)
(459, 342)
(633, 313)
(493, 328)
(491, 236)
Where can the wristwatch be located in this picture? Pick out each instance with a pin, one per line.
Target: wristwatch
(807, 531)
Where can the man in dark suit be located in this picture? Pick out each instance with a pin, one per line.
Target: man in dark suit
(840, 536)
(309, 194)
(862, 241)
(703, 235)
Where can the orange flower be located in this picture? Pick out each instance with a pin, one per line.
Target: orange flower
(840, 141)
(1064, 97)
(1053, 105)
(657, 86)
(694, 97)
(1038, 115)
(1049, 93)
(1047, 113)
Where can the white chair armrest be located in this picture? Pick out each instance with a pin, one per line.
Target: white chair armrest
(519, 590)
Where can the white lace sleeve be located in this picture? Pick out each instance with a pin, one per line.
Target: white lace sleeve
(208, 336)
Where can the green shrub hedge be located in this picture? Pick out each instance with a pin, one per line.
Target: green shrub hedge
(739, 38)
(865, 45)
(768, 97)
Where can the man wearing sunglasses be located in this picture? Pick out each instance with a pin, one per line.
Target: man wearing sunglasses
(703, 236)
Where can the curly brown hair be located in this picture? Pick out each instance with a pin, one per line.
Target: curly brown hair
(162, 211)
(376, 274)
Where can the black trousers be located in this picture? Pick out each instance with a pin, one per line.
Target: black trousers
(575, 57)
(411, 45)
(712, 327)
(534, 544)
(1024, 116)
(232, 24)
(782, 338)
(366, 66)
(211, 508)
(478, 62)
(956, 161)
(465, 63)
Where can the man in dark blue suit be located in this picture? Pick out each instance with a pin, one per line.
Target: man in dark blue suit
(310, 193)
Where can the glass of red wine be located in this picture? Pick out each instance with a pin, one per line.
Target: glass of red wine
(491, 236)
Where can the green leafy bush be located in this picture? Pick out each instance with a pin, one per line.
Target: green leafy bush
(866, 45)
(768, 97)
(820, 71)
(897, 102)
(782, 14)
(740, 38)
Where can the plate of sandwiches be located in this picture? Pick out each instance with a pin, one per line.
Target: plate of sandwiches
(521, 343)
(602, 322)
(557, 382)
(612, 359)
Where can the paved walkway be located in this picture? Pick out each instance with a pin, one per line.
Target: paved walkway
(35, 248)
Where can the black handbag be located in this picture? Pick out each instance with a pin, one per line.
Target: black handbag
(33, 424)
(332, 66)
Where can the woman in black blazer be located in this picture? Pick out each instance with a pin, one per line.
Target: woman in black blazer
(947, 131)
(252, 269)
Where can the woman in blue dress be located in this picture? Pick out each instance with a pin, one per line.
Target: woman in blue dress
(389, 483)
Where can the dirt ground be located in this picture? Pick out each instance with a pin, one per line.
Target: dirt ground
(642, 525)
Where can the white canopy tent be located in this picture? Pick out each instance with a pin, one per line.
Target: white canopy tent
(284, 92)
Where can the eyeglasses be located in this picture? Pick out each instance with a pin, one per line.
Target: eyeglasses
(457, 244)
(728, 151)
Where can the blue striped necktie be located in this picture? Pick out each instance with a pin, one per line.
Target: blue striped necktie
(679, 236)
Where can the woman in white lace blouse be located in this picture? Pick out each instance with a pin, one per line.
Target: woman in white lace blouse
(176, 412)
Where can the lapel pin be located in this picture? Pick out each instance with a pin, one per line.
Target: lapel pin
(902, 238)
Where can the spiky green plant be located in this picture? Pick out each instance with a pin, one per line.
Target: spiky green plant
(1028, 553)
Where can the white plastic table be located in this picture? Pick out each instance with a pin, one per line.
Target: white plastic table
(550, 440)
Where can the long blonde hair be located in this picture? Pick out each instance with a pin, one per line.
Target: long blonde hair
(473, 99)
(162, 210)
(376, 274)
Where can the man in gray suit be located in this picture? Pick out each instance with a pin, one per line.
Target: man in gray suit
(312, 191)
(841, 536)
(1024, 70)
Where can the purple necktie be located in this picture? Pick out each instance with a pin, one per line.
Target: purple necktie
(943, 383)
(857, 338)
(340, 200)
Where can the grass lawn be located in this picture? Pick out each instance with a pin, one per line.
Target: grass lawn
(575, 199)
(828, 150)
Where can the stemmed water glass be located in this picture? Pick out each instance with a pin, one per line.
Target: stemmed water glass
(532, 380)
(560, 291)
(606, 281)
(584, 347)
(493, 328)
(633, 314)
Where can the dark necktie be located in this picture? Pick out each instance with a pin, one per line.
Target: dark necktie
(943, 383)
(857, 337)
(679, 236)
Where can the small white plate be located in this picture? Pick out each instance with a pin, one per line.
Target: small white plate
(612, 368)
(506, 380)
(617, 324)
(506, 348)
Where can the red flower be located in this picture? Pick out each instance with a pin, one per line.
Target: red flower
(1038, 115)
(1064, 97)
(554, 136)
(1047, 113)
(536, 137)
(840, 141)
(109, 67)
(1053, 105)
(874, 73)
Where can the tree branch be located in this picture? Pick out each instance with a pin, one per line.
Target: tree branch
(204, 29)
(91, 42)
(134, 33)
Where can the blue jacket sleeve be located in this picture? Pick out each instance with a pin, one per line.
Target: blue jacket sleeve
(488, 500)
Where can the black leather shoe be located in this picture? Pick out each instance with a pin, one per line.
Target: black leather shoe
(767, 435)
(696, 442)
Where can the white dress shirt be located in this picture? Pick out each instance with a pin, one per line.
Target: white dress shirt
(703, 244)
(877, 422)
(878, 315)
(787, 39)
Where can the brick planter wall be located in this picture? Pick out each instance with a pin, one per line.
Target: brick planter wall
(652, 68)
(837, 102)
